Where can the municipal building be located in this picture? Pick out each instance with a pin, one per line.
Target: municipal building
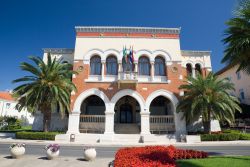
(127, 84)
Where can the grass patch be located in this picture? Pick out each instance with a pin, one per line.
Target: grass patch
(235, 161)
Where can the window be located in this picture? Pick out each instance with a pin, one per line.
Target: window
(189, 69)
(238, 75)
(229, 78)
(7, 105)
(95, 65)
(159, 66)
(144, 66)
(111, 65)
(198, 69)
(242, 95)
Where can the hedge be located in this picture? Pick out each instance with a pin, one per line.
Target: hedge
(220, 137)
(245, 136)
(36, 135)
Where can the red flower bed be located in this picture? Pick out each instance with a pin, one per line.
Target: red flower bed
(153, 156)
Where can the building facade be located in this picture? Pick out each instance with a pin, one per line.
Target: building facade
(7, 108)
(127, 83)
(240, 80)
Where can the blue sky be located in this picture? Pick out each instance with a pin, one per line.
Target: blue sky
(28, 26)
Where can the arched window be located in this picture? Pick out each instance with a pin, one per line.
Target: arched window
(95, 65)
(144, 66)
(111, 65)
(159, 66)
(189, 69)
(198, 69)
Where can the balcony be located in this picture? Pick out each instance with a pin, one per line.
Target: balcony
(127, 79)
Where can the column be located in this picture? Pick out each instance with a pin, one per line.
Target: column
(145, 122)
(136, 70)
(74, 122)
(136, 67)
(193, 72)
(152, 71)
(103, 66)
(109, 122)
(119, 70)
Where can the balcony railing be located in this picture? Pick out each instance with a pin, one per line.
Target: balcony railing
(92, 123)
(128, 76)
(162, 123)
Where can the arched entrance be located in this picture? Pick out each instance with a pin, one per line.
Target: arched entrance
(92, 117)
(161, 116)
(126, 113)
(127, 116)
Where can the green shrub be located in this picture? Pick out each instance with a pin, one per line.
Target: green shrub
(220, 137)
(11, 123)
(36, 135)
(231, 131)
(245, 136)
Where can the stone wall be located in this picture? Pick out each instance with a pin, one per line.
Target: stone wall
(57, 123)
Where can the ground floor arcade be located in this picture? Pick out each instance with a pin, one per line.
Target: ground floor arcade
(126, 113)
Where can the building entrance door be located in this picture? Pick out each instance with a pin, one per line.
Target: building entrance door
(126, 113)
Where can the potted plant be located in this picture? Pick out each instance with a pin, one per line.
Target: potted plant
(17, 150)
(52, 151)
(89, 153)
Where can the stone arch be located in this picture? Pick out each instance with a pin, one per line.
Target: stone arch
(112, 52)
(87, 93)
(128, 92)
(180, 124)
(200, 63)
(94, 52)
(146, 53)
(163, 54)
(184, 64)
(162, 92)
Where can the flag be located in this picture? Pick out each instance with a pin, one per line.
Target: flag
(125, 54)
(131, 56)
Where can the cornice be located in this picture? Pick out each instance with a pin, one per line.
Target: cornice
(195, 53)
(103, 29)
(58, 50)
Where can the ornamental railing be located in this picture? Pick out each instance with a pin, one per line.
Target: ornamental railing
(162, 123)
(92, 123)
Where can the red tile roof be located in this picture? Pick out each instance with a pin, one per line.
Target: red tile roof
(6, 96)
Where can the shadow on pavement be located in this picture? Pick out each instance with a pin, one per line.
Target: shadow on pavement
(81, 159)
(43, 158)
(8, 157)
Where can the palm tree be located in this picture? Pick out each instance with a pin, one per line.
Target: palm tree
(208, 97)
(237, 38)
(49, 86)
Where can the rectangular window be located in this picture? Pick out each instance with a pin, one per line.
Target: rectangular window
(238, 75)
(242, 95)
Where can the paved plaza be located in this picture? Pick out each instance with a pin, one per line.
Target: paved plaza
(41, 161)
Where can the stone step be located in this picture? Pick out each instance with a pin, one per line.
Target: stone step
(127, 138)
(127, 129)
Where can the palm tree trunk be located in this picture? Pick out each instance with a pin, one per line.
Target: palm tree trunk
(207, 127)
(46, 120)
(207, 123)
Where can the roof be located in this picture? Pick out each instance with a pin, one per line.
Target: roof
(227, 67)
(6, 96)
(195, 53)
(58, 50)
(103, 29)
